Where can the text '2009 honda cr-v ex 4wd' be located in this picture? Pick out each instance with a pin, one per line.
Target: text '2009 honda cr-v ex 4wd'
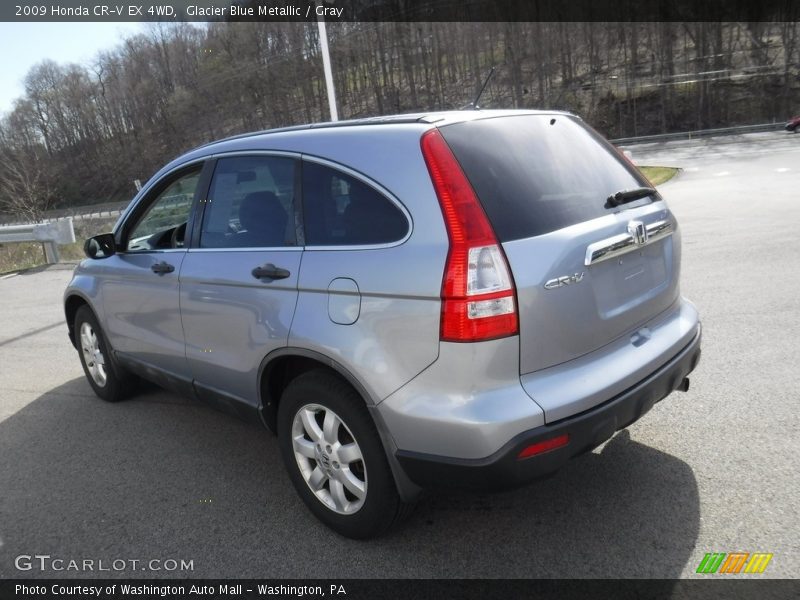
(461, 299)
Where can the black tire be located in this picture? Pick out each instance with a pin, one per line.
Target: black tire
(320, 393)
(117, 383)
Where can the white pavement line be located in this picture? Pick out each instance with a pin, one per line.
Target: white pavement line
(782, 169)
(722, 173)
(9, 276)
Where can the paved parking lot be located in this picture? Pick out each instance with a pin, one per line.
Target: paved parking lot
(714, 470)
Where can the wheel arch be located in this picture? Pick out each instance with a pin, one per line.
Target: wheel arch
(72, 304)
(281, 366)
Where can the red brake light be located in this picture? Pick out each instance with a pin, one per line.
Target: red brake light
(478, 295)
(544, 446)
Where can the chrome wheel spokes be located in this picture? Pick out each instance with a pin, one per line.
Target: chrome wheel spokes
(93, 355)
(329, 458)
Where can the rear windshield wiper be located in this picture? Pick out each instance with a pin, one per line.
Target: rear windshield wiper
(629, 195)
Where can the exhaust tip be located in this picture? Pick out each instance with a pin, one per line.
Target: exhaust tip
(683, 386)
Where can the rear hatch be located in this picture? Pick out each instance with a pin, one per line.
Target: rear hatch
(586, 271)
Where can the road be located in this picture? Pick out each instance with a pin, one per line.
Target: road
(713, 470)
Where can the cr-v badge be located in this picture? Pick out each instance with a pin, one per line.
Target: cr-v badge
(562, 281)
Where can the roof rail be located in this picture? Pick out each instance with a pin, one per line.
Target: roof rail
(381, 120)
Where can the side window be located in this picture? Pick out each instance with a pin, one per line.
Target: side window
(250, 204)
(163, 225)
(340, 210)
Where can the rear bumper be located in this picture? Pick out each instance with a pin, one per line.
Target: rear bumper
(586, 431)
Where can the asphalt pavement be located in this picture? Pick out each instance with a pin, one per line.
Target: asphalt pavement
(159, 478)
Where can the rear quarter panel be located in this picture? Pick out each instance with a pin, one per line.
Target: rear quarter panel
(396, 335)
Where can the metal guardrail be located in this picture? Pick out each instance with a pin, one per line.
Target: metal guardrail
(91, 211)
(50, 234)
(664, 137)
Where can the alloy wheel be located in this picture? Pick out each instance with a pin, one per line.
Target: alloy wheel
(329, 458)
(93, 355)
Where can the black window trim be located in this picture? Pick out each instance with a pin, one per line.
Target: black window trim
(375, 186)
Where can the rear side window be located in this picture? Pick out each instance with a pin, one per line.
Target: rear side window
(250, 204)
(535, 174)
(340, 210)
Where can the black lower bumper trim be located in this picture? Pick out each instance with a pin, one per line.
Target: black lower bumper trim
(586, 431)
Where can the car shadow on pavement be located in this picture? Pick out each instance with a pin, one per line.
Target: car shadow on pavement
(158, 477)
(625, 510)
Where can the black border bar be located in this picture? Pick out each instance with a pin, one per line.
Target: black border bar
(398, 10)
(710, 587)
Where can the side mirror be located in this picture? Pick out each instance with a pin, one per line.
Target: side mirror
(100, 246)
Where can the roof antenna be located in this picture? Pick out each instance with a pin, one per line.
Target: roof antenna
(474, 105)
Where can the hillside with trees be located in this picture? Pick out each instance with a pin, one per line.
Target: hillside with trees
(81, 134)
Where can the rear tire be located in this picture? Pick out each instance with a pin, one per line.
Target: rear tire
(109, 381)
(335, 458)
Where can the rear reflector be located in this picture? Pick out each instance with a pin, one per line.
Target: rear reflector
(478, 294)
(544, 446)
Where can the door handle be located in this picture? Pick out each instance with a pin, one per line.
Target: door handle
(270, 271)
(162, 268)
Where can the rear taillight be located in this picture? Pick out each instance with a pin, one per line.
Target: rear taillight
(478, 296)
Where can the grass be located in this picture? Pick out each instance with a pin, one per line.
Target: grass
(25, 255)
(15, 257)
(658, 175)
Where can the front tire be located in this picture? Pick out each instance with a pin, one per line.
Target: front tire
(335, 458)
(107, 379)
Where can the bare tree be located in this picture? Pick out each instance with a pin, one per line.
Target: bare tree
(175, 86)
(25, 190)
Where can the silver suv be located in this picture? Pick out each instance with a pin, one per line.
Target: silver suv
(453, 299)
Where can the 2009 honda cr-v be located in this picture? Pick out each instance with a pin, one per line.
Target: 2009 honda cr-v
(467, 298)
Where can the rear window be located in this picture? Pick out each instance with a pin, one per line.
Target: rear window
(535, 174)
